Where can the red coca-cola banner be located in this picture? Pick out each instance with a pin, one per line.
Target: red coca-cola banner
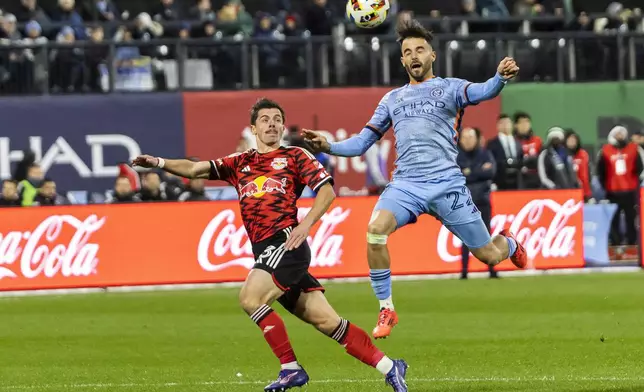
(169, 243)
(214, 121)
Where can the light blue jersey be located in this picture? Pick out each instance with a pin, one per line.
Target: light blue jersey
(426, 119)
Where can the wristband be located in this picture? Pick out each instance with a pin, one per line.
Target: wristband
(161, 163)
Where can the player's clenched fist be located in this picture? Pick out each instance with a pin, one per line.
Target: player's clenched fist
(145, 161)
(508, 68)
(316, 140)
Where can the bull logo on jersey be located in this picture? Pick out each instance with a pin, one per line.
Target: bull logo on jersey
(279, 163)
(262, 185)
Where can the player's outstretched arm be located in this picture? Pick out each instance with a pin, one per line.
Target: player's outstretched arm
(478, 92)
(322, 202)
(351, 147)
(179, 167)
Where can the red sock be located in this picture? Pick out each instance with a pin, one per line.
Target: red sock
(274, 333)
(357, 343)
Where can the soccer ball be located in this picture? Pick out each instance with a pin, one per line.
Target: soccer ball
(367, 14)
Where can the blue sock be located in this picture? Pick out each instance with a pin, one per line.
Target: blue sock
(512, 245)
(381, 282)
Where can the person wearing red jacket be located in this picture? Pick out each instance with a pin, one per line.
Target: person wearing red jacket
(531, 146)
(619, 167)
(581, 162)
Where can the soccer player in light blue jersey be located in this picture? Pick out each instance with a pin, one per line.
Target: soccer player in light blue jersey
(426, 117)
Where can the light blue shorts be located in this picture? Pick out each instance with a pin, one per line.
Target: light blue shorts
(447, 199)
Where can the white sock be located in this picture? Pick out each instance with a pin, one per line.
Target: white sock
(387, 303)
(385, 365)
(291, 366)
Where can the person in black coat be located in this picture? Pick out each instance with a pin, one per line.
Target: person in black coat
(555, 165)
(508, 155)
(478, 167)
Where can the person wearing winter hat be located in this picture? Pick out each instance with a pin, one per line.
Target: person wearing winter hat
(581, 162)
(619, 168)
(555, 165)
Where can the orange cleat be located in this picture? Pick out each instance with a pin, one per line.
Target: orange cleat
(386, 322)
(519, 258)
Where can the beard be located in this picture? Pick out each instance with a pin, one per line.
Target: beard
(418, 74)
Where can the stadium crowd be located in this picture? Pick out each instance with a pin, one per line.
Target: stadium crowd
(84, 32)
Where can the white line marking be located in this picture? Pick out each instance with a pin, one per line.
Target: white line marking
(203, 286)
(548, 379)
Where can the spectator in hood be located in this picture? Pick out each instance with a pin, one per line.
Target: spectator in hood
(478, 167)
(47, 195)
(319, 18)
(29, 10)
(9, 196)
(203, 11)
(65, 13)
(28, 188)
(34, 32)
(555, 165)
(581, 162)
(151, 188)
(20, 172)
(122, 192)
(173, 186)
(531, 146)
(195, 191)
(619, 168)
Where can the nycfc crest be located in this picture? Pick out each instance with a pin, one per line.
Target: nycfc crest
(279, 163)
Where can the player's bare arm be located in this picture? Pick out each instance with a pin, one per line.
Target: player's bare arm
(179, 167)
(322, 202)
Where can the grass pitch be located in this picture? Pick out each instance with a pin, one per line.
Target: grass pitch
(558, 333)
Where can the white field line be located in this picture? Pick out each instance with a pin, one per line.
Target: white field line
(201, 286)
(457, 380)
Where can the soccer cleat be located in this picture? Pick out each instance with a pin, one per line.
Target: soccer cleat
(396, 376)
(288, 379)
(386, 321)
(519, 258)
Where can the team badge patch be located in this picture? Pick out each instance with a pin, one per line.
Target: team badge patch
(279, 163)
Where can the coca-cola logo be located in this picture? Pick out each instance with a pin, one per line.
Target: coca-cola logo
(224, 244)
(540, 235)
(41, 253)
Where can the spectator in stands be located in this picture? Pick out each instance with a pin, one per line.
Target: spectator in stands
(195, 191)
(619, 167)
(66, 13)
(29, 10)
(68, 67)
(145, 28)
(269, 52)
(468, 9)
(319, 18)
(167, 11)
(9, 28)
(47, 195)
(17, 63)
(555, 165)
(637, 138)
(96, 57)
(492, 8)
(22, 168)
(202, 11)
(101, 10)
(508, 155)
(590, 52)
(581, 162)
(9, 196)
(28, 188)
(528, 8)
(292, 68)
(122, 192)
(151, 188)
(233, 20)
(478, 167)
(531, 146)
(173, 186)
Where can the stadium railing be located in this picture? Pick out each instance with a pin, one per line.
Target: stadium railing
(228, 64)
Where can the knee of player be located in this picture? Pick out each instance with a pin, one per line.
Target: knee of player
(327, 325)
(248, 303)
(488, 254)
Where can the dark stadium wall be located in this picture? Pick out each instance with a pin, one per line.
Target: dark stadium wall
(214, 121)
(591, 109)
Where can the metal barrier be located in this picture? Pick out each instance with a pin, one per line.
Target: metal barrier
(228, 64)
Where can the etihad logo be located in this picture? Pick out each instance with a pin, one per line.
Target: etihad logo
(262, 185)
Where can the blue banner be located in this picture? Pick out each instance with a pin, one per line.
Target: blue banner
(597, 219)
(80, 140)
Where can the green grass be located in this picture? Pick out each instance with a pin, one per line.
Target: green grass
(521, 334)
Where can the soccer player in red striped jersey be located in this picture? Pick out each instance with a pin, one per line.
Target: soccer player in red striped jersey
(269, 180)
